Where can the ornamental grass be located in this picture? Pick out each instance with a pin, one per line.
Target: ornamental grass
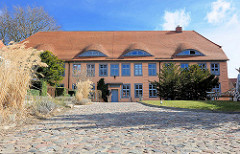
(17, 68)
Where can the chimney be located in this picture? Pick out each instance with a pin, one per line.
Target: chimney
(178, 29)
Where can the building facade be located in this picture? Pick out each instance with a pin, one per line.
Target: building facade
(128, 60)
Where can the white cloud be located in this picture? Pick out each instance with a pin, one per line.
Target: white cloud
(220, 10)
(173, 19)
(227, 35)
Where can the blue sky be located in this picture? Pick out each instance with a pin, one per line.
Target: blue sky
(218, 20)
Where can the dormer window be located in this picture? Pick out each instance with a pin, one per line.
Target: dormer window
(137, 53)
(92, 53)
(190, 52)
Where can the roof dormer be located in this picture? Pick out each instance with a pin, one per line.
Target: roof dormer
(185, 49)
(93, 50)
(136, 50)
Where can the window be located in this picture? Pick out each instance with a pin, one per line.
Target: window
(74, 86)
(217, 88)
(138, 90)
(125, 69)
(125, 90)
(152, 90)
(93, 86)
(103, 70)
(92, 53)
(137, 52)
(76, 69)
(138, 69)
(190, 52)
(152, 70)
(90, 70)
(114, 69)
(168, 66)
(184, 65)
(203, 66)
(215, 68)
(61, 85)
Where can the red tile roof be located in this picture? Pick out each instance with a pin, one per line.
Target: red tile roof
(161, 44)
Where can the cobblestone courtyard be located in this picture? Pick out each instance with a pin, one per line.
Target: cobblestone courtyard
(127, 128)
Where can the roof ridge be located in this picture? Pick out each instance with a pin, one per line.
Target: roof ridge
(207, 39)
(115, 31)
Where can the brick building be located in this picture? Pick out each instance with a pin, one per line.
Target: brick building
(127, 60)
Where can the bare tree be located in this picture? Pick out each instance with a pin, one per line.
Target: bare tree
(24, 22)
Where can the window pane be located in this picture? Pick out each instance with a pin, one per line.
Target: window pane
(103, 70)
(76, 69)
(152, 69)
(215, 69)
(114, 69)
(126, 91)
(137, 69)
(90, 70)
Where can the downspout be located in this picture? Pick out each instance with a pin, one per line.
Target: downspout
(159, 80)
(68, 74)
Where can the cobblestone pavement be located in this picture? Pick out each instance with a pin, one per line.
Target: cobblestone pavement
(127, 128)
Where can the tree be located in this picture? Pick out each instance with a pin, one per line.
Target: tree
(24, 22)
(168, 83)
(191, 83)
(104, 88)
(54, 72)
(196, 82)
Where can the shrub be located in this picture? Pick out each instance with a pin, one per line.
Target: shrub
(104, 89)
(33, 92)
(60, 91)
(72, 92)
(43, 88)
(44, 106)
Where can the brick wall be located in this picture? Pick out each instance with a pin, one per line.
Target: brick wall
(144, 79)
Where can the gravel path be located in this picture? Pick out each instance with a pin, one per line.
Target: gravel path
(127, 128)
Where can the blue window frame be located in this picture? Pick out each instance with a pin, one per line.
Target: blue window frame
(92, 53)
(137, 53)
(74, 86)
(215, 68)
(76, 70)
(203, 66)
(103, 70)
(190, 52)
(126, 69)
(152, 91)
(184, 65)
(152, 70)
(138, 69)
(217, 88)
(138, 88)
(90, 70)
(126, 91)
(114, 70)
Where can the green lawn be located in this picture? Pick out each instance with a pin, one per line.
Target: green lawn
(202, 105)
